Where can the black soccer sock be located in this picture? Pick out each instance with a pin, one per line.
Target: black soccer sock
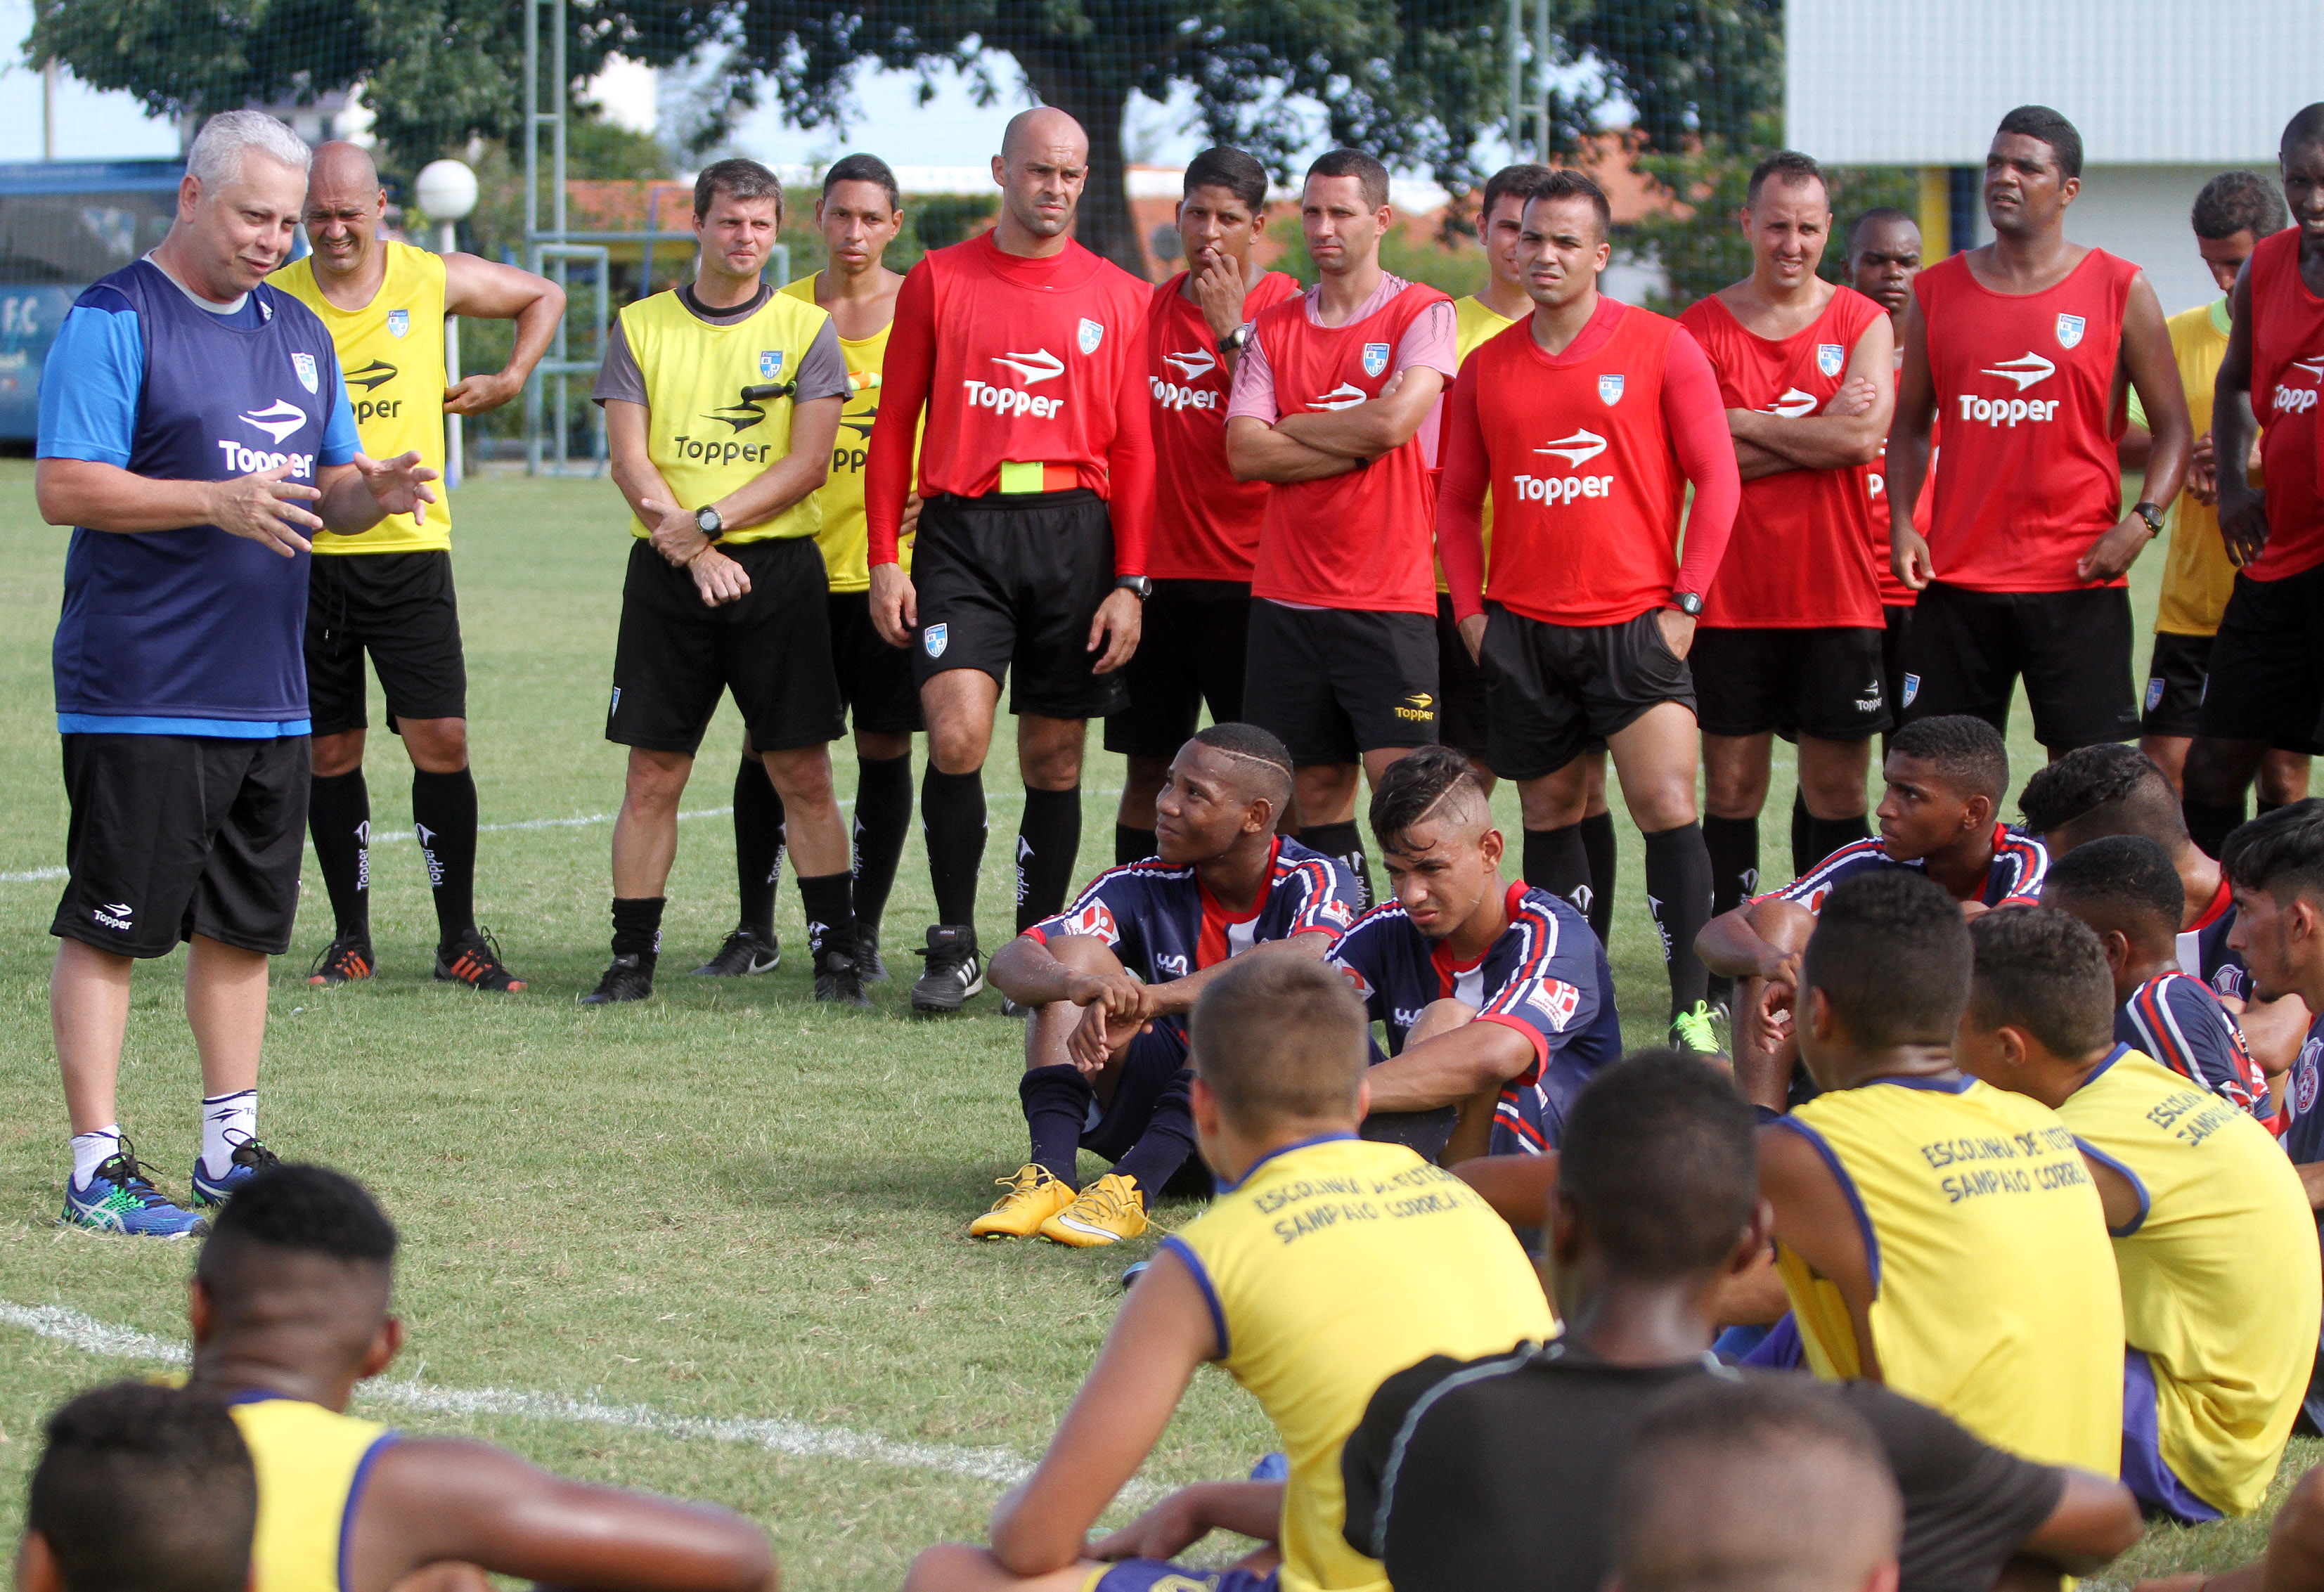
(1678, 893)
(758, 844)
(1805, 855)
(1168, 1141)
(636, 927)
(1048, 843)
(2209, 822)
(1558, 861)
(883, 817)
(952, 823)
(444, 812)
(1827, 835)
(829, 899)
(1057, 1103)
(339, 815)
(1342, 842)
(1132, 845)
(1734, 847)
(1597, 844)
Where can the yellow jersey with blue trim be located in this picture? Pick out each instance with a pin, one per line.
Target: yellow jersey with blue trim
(391, 359)
(1993, 1291)
(1333, 1264)
(845, 547)
(311, 1464)
(1473, 322)
(2219, 1271)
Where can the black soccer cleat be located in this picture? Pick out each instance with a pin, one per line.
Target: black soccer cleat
(475, 960)
(868, 965)
(954, 974)
(747, 950)
(342, 961)
(630, 978)
(837, 981)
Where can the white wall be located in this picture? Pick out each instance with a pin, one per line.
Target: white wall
(2140, 212)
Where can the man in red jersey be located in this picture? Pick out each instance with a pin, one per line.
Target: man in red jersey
(1335, 403)
(2023, 345)
(1884, 256)
(2265, 687)
(1206, 523)
(1027, 354)
(1586, 421)
(1790, 638)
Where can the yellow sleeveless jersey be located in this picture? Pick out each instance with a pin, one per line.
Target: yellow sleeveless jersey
(702, 434)
(1332, 1265)
(2218, 1271)
(845, 545)
(310, 1464)
(2197, 575)
(1994, 1297)
(391, 357)
(1475, 321)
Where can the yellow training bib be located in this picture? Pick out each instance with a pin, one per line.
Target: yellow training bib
(844, 541)
(1475, 321)
(2198, 575)
(310, 1465)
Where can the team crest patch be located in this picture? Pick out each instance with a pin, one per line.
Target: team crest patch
(1335, 910)
(2153, 693)
(1092, 335)
(771, 364)
(1374, 358)
(1912, 689)
(1096, 921)
(304, 363)
(1556, 1001)
(2303, 1081)
(1363, 985)
(1610, 389)
(2070, 330)
(935, 638)
(1831, 358)
(399, 321)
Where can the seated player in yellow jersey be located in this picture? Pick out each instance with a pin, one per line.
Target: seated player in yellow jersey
(2213, 1237)
(290, 1308)
(1934, 1232)
(1326, 1263)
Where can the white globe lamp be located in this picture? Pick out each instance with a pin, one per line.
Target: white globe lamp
(446, 191)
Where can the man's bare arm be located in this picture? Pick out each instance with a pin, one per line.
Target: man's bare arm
(1257, 451)
(2242, 510)
(2096, 1522)
(1815, 1220)
(1177, 996)
(1831, 441)
(1450, 1068)
(634, 474)
(1909, 452)
(486, 290)
(1517, 1187)
(1376, 425)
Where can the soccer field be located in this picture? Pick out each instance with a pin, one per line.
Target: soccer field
(712, 1245)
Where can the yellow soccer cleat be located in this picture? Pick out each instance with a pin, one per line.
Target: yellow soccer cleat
(1107, 1212)
(1034, 1196)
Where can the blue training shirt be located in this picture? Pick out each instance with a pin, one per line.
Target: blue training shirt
(192, 632)
(2013, 879)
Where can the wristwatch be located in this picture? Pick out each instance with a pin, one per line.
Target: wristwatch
(2152, 515)
(1689, 604)
(707, 520)
(1233, 341)
(1137, 585)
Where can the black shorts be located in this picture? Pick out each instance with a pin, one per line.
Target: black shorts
(1825, 683)
(771, 647)
(1190, 654)
(1012, 580)
(1153, 1058)
(178, 835)
(1336, 683)
(1551, 690)
(1896, 635)
(2267, 664)
(2175, 672)
(875, 679)
(1461, 714)
(398, 607)
(2073, 648)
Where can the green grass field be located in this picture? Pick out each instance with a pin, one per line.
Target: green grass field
(712, 1245)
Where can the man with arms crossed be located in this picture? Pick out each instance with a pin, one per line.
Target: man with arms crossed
(1027, 356)
(725, 589)
(388, 591)
(1585, 423)
(2025, 344)
(194, 433)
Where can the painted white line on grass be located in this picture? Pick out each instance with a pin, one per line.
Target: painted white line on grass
(32, 876)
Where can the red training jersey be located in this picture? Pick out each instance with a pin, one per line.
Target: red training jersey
(1802, 555)
(1016, 361)
(1893, 592)
(1206, 523)
(1361, 539)
(2287, 391)
(2024, 383)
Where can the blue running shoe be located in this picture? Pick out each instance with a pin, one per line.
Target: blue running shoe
(119, 1198)
(250, 1159)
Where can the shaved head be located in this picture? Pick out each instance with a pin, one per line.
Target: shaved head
(343, 167)
(1043, 128)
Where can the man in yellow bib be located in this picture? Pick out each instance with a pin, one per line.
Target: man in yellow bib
(388, 592)
(1326, 1263)
(2211, 1230)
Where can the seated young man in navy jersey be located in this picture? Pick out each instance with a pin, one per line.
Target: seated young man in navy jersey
(1496, 996)
(1109, 980)
(2125, 889)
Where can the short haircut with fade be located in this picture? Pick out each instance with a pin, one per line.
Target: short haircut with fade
(1891, 957)
(858, 168)
(2121, 875)
(1969, 753)
(310, 1209)
(1371, 176)
(1662, 1161)
(1223, 166)
(2040, 121)
(1522, 182)
(1415, 786)
(1247, 743)
(2280, 852)
(1878, 216)
(2109, 788)
(1280, 1039)
(2044, 971)
(1565, 183)
(2304, 131)
(1790, 168)
(2238, 201)
(736, 179)
(145, 1489)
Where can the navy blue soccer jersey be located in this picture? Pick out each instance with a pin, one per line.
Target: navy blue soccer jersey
(2203, 947)
(2020, 863)
(1546, 977)
(2304, 1133)
(2175, 1019)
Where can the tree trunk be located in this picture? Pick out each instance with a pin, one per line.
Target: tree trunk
(1103, 224)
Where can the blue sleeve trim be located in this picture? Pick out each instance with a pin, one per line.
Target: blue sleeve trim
(380, 1445)
(2138, 1185)
(90, 385)
(216, 729)
(1185, 1252)
(1848, 1187)
(341, 442)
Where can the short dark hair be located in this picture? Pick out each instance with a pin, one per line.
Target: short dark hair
(2305, 128)
(2038, 121)
(144, 1488)
(2238, 201)
(1280, 1039)
(858, 168)
(1969, 754)
(1221, 166)
(1789, 167)
(1891, 957)
(1520, 183)
(2280, 852)
(1260, 745)
(2122, 874)
(307, 1208)
(1662, 1161)
(737, 179)
(2112, 788)
(1565, 183)
(1371, 176)
(2044, 971)
(1414, 786)
(1877, 215)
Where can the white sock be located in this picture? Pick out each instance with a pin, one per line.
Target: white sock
(228, 1121)
(91, 1150)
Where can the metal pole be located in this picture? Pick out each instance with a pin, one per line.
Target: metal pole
(1541, 80)
(532, 210)
(48, 109)
(1516, 38)
(561, 86)
(453, 471)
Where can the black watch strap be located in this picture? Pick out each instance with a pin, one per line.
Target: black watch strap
(1137, 585)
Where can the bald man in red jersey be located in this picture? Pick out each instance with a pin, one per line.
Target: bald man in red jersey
(1027, 354)
(1586, 421)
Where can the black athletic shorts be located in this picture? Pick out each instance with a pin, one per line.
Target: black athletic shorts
(2175, 671)
(1336, 683)
(1825, 681)
(1551, 690)
(178, 835)
(398, 607)
(875, 679)
(1012, 580)
(2267, 664)
(1460, 715)
(1190, 654)
(771, 647)
(1896, 636)
(2073, 648)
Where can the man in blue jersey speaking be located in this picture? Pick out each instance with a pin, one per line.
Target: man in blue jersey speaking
(194, 430)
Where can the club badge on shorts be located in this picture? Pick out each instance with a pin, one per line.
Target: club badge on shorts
(399, 321)
(2153, 693)
(771, 364)
(935, 638)
(1092, 335)
(1610, 389)
(1374, 358)
(1912, 689)
(304, 363)
(1830, 358)
(2070, 330)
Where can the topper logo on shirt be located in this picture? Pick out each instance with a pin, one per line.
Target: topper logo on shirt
(277, 419)
(1576, 450)
(2070, 330)
(1040, 365)
(1794, 403)
(1193, 366)
(2298, 400)
(2028, 370)
(1830, 358)
(1345, 396)
(1556, 1001)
